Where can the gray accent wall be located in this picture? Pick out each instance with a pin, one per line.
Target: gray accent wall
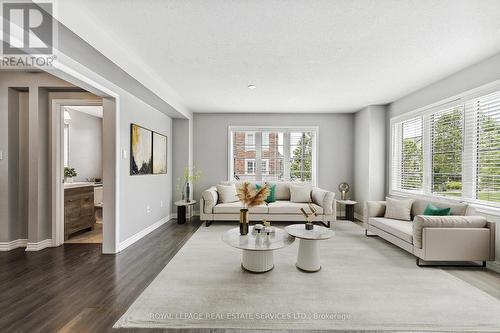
(85, 145)
(335, 144)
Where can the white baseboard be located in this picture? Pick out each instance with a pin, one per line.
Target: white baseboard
(39, 245)
(494, 266)
(7, 246)
(132, 239)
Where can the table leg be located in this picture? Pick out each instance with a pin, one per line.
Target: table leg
(308, 257)
(349, 212)
(181, 214)
(257, 261)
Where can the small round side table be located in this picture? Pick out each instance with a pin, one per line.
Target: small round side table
(184, 208)
(308, 256)
(349, 208)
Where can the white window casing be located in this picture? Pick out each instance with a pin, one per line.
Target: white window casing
(460, 149)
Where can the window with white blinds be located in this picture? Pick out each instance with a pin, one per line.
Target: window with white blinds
(273, 154)
(447, 141)
(484, 132)
(451, 151)
(412, 169)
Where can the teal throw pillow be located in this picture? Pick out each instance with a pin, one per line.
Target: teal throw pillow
(271, 197)
(435, 211)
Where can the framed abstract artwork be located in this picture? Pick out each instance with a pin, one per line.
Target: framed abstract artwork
(141, 150)
(159, 153)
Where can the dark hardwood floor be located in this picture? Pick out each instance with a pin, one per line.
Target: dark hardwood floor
(75, 288)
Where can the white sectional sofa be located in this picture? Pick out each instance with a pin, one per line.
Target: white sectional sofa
(460, 236)
(211, 209)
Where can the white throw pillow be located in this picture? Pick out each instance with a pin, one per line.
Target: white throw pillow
(398, 209)
(227, 193)
(300, 193)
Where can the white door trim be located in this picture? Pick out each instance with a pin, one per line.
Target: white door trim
(57, 163)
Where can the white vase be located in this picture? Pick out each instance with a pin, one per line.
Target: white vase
(68, 179)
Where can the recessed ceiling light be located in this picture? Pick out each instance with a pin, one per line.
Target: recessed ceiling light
(251, 86)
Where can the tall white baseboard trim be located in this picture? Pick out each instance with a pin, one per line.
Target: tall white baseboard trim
(134, 238)
(7, 246)
(39, 245)
(493, 265)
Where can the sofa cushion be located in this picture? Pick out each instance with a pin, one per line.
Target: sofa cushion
(227, 193)
(282, 190)
(398, 209)
(234, 208)
(300, 193)
(287, 207)
(420, 204)
(398, 228)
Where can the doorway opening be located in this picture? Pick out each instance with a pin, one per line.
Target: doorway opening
(72, 225)
(83, 173)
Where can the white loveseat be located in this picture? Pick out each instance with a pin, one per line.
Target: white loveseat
(211, 209)
(460, 236)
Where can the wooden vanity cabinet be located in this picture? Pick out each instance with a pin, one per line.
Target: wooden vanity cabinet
(78, 210)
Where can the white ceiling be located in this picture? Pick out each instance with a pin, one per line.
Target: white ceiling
(93, 110)
(303, 55)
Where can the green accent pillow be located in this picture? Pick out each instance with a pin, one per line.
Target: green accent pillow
(435, 211)
(271, 197)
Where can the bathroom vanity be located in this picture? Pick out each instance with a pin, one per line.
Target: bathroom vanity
(78, 208)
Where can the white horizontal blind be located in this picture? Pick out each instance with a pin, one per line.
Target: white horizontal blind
(452, 150)
(483, 117)
(411, 159)
(446, 129)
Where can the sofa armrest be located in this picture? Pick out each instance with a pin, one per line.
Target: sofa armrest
(210, 198)
(451, 221)
(324, 199)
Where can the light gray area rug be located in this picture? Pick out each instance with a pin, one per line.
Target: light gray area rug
(364, 284)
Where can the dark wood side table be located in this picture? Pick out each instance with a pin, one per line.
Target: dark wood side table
(184, 210)
(349, 208)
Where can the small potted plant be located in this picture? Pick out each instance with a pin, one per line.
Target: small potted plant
(190, 176)
(69, 173)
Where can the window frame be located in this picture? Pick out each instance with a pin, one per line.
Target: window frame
(461, 100)
(66, 142)
(252, 160)
(286, 145)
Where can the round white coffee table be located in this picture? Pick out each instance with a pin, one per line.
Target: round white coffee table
(308, 256)
(257, 256)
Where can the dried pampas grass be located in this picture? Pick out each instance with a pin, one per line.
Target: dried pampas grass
(250, 197)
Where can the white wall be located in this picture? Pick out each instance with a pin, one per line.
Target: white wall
(369, 155)
(484, 72)
(335, 144)
(85, 145)
(140, 191)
